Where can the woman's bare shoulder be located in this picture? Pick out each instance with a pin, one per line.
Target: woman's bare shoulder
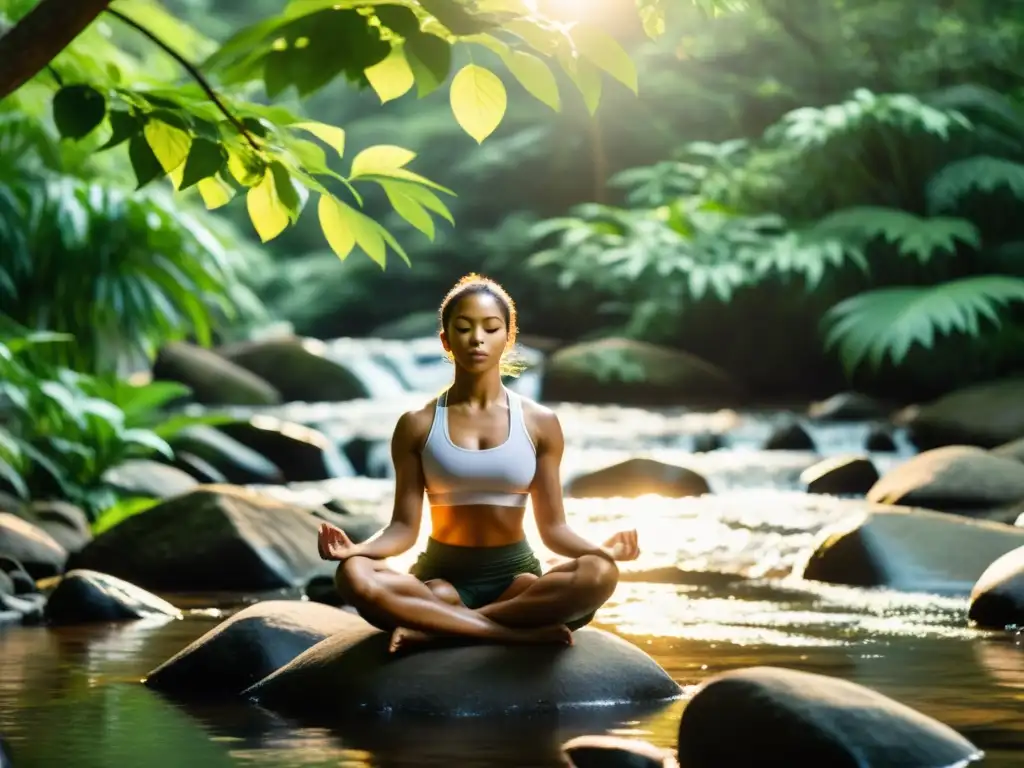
(414, 425)
(539, 418)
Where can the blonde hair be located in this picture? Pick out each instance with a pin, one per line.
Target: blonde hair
(474, 283)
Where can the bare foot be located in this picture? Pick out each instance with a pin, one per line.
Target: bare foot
(403, 639)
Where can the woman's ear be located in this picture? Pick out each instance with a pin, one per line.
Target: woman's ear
(444, 341)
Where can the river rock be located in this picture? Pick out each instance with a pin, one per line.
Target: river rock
(615, 752)
(64, 521)
(144, 477)
(956, 478)
(789, 437)
(40, 554)
(880, 440)
(636, 477)
(370, 457)
(1011, 450)
(298, 368)
(912, 550)
(985, 415)
(353, 672)
(212, 379)
(777, 718)
(20, 599)
(237, 462)
(848, 406)
(997, 600)
(705, 442)
(630, 372)
(840, 475)
(84, 596)
(215, 538)
(200, 469)
(303, 454)
(247, 647)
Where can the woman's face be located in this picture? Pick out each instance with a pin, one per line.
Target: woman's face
(476, 335)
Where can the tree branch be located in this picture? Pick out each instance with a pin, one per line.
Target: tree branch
(193, 72)
(39, 36)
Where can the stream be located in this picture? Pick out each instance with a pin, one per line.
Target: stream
(71, 696)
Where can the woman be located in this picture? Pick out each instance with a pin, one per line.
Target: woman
(479, 451)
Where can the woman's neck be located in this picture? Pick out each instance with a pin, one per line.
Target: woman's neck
(480, 389)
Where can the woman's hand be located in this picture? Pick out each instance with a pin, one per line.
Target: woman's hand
(623, 546)
(334, 544)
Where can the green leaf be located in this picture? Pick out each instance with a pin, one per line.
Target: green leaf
(455, 17)
(77, 110)
(245, 166)
(391, 78)
(421, 195)
(205, 158)
(587, 79)
(889, 321)
(604, 52)
(430, 59)
(398, 18)
(330, 135)
(269, 215)
(123, 125)
(336, 228)
(409, 209)
(535, 77)
(912, 235)
(170, 144)
(144, 162)
(478, 101)
(982, 173)
(149, 440)
(292, 196)
(382, 160)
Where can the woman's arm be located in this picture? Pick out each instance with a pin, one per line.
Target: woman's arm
(401, 533)
(546, 491)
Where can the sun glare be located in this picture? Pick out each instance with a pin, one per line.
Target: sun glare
(565, 10)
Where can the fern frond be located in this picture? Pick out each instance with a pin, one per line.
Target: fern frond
(912, 235)
(983, 106)
(887, 322)
(982, 174)
(805, 255)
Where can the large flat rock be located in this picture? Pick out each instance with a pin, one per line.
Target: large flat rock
(353, 672)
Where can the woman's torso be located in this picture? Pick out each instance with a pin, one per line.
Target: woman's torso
(478, 467)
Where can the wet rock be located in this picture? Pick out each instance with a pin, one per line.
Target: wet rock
(298, 368)
(840, 475)
(997, 600)
(65, 522)
(912, 550)
(615, 752)
(706, 442)
(84, 596)
(20, 599)
(212, 379)
(200, 469)
(353, 672)
(30, 545)
(671, 574)
(629, 372)
(848, 406)
(143, 477)
(321, 589)
(768, 716)
(1011, 450)
(301, 453)
(247, 647)
(985, 415)
(880, 440)
(789, 437)
(9, 503)
(238, 463)
(636, 477)
(957, 478)
(214, 538)
(370, 458)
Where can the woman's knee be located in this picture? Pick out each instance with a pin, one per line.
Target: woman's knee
(355, 580)
(596, 576)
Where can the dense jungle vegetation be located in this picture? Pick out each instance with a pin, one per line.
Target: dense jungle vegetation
(811, 198)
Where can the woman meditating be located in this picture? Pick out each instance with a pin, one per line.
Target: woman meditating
(479, 451)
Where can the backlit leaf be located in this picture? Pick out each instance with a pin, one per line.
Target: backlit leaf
(382, 160)
(269, 215)
(478, 101)
(391, 78)
(336, 228)
(330, 135)
(170, 145)
(603, 51)
(535, 77)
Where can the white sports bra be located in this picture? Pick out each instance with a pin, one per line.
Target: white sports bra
(500, 476)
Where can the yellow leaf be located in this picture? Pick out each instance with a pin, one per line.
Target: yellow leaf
(535, 77)
(381, 160)
(410, 210)
(478, 101)
(336, 228)
(246, 169)
(215, 192)
(587, 79)
(169, 144)
(603, 51)
(268, 214)
(344, 227)
(330, 135)
(391, 78)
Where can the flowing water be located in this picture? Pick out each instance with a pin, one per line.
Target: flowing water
(71, 697)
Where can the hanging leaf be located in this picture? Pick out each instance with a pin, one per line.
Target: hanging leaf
(478, 101)
(535, 77)
(123, 125)
(269, 215)
(291, 195)
(430, 59)
(77, 110)
(603, 51)
(381, 160)
(335, 226)
(587, 79)
(215, 192)
(170, 144)
(409, 209)
(330, 135)
(205, 158)
(144, 163)
(392, 78)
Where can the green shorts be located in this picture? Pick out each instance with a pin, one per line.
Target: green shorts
(480, 574)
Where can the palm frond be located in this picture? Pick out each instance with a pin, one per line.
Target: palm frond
(983, 173)
(912, 235)
(887, 322)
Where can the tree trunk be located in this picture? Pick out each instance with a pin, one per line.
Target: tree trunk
(46, 30)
